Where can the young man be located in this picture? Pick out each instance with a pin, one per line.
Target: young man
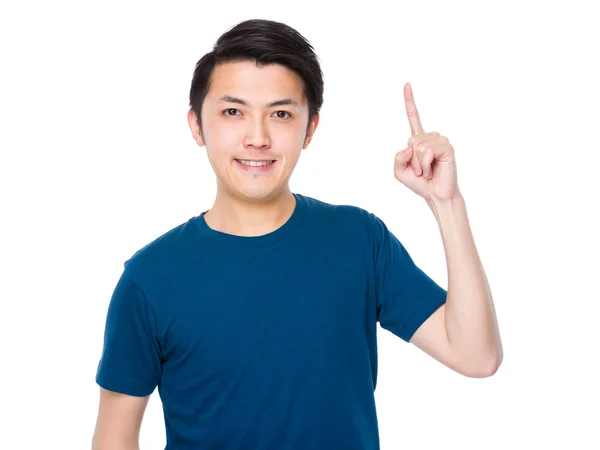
(257, 319)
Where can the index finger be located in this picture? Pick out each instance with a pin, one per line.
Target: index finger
(411, 111)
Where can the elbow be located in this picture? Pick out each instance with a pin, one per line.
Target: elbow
(483, 367)
(485, 372)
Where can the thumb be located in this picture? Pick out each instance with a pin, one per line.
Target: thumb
(403, 157)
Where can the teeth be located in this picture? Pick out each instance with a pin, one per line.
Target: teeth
(254, 163)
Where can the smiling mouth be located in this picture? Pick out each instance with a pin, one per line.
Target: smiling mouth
(249, 163)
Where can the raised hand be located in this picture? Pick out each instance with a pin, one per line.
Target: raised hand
(427, 166)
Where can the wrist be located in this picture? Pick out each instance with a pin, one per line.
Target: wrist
(447, 209)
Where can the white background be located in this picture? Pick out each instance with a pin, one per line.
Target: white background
(98, 160)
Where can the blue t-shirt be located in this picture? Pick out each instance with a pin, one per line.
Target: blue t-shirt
(265, 342)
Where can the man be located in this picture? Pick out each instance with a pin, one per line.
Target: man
(257, 319)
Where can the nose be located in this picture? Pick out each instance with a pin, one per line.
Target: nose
(257, 135)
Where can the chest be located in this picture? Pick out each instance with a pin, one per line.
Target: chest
(259, 308)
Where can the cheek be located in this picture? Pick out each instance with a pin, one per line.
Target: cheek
(222, 144)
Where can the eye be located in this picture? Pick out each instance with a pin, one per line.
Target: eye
(284, 112)
(229, 110)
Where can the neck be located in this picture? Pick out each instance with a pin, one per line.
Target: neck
(233, 215)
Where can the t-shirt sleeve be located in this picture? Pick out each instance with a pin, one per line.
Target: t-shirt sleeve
(131, 359)
(406, 296)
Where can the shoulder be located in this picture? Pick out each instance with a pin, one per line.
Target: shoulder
(344, 216)
(162, 251)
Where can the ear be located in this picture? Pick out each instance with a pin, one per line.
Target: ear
(311, 131)
(193, 123)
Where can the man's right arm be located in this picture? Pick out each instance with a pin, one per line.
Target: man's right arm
(119, 421)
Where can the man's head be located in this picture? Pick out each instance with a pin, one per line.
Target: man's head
(256, 97)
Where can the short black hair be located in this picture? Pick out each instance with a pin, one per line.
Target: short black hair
(263, 42)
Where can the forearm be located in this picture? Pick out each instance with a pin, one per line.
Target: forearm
(471, 323)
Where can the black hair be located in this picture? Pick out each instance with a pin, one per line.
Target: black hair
(263, 42)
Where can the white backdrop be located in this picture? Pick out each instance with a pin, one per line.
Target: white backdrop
(98, 160)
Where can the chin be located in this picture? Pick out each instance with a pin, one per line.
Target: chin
(259, 193)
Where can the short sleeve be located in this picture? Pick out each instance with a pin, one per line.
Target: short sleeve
(406, 296)
(131, 359)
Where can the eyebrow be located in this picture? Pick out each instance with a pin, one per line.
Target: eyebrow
(282, 102)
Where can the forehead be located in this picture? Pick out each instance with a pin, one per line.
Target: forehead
(262, 84)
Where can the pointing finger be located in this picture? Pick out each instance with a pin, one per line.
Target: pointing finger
(411, 110)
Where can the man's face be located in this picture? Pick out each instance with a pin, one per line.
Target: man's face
(241, 138)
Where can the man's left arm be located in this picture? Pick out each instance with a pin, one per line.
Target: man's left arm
(463, 333)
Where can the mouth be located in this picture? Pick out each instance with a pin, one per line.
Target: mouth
(255, 166)
(253, 163)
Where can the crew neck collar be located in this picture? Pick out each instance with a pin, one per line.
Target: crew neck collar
(261, 241)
